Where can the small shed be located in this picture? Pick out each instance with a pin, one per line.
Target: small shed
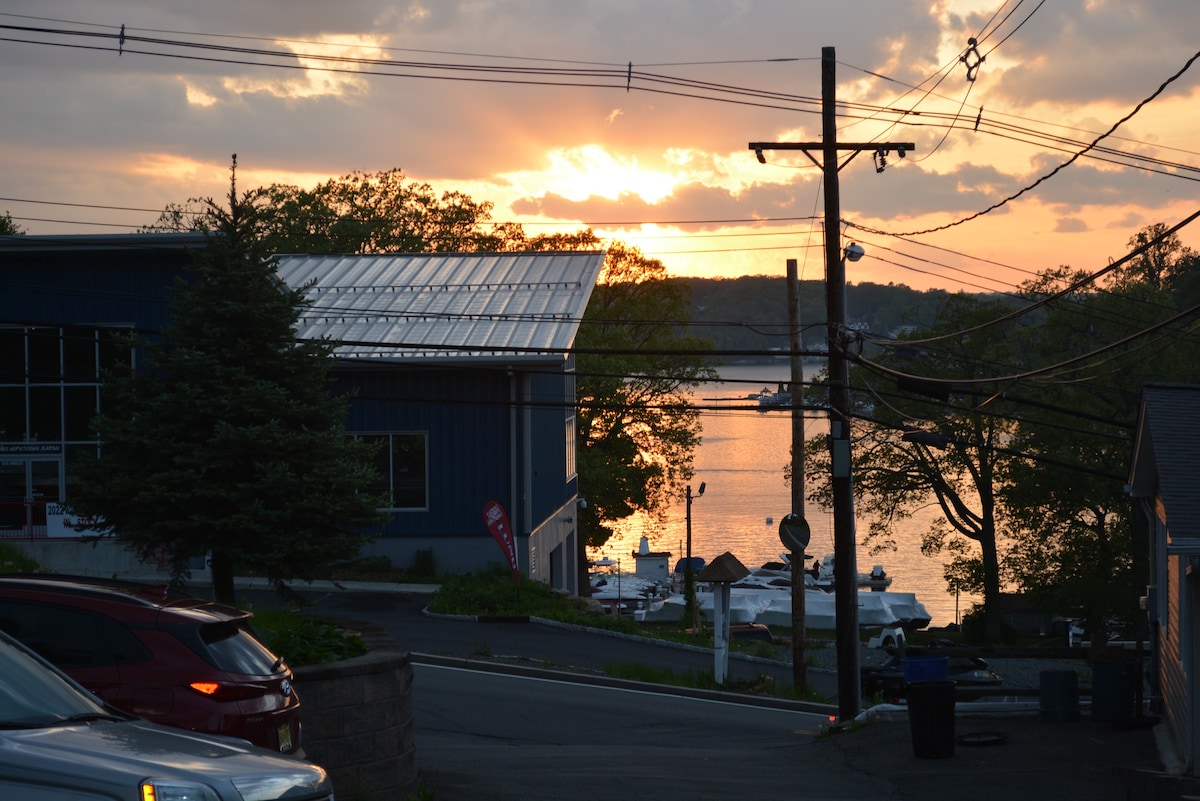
(652, 565)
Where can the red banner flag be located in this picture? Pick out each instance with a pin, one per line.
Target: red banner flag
(497, 523)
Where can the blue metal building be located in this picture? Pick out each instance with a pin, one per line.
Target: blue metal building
(459, 364)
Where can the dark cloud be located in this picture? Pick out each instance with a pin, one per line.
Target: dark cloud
(75, 119)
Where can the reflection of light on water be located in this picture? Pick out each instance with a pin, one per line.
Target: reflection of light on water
(741, 460)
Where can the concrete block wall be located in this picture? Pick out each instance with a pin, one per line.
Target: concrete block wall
(357, 716)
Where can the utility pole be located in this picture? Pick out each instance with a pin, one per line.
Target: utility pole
(691, 606)
(844, 538)
(796, 346)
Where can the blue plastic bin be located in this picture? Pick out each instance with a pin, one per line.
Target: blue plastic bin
(925, 668)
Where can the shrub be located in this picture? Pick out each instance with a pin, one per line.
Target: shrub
(304, 641)
(14, 561)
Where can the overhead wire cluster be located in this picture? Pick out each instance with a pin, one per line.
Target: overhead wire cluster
(252, 51)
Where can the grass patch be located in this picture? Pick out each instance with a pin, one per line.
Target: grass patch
(13, 560)
(761, 684)
(302, 640)
(493, 593)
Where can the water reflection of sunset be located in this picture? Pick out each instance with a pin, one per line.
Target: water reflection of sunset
(741, 460)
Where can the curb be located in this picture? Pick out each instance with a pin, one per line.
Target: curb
(492, 665)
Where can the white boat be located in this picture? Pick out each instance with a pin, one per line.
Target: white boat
(764, 596)
(626, 593)
(772, 606)
(821, 575)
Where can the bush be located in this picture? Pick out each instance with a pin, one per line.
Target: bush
(491, 592)
(14, 561)
(304, 641)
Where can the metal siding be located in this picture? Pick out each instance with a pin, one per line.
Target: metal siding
(465, 413)
(549, 464)
(102, 288)
(1176, 699)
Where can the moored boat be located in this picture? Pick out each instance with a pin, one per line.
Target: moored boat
(763, 596)
(821, 575)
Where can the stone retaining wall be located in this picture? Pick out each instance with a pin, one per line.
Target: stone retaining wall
(358, 724)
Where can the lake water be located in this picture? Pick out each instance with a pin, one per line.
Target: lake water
(741, 461)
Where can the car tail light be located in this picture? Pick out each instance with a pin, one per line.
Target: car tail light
(229, 692)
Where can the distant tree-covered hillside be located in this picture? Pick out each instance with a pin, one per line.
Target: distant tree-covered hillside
(750, 312)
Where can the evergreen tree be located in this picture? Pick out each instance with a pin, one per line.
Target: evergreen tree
(8, 227)
(227, 441)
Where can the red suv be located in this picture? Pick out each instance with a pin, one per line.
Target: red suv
(157, 653)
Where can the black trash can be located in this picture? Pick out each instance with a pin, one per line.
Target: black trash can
(931, 718)
(1058, 697)
(1114, 689)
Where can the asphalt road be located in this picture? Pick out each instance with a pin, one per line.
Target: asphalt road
(494, 736)
(486, 736)
(400, 617)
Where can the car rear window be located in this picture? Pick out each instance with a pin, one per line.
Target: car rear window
(231, 648)
(70, 638)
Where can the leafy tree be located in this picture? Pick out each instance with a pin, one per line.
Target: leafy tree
(361, 213)
(637, 429)
(227, 441)
(1040, 455)
(8, 227)
(1162, 262)
(914, 451)
(1075, 546)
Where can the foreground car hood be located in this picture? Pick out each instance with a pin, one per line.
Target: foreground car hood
(122, 754)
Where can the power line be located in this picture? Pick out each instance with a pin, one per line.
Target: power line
(1162, 87)
(1073, 287)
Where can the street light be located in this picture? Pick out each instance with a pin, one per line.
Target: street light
(689, 580)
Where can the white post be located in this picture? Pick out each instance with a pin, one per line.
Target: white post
(720, 630)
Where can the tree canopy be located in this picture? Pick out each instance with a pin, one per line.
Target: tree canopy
(8, 227)
(637, 427)
(1015, 418)
(226, 441)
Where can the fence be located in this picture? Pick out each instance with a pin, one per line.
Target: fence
(22, 520)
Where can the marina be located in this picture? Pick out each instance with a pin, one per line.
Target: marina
(741, 459)
(653, 593)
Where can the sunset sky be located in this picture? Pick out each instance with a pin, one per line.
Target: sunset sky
(632, 117)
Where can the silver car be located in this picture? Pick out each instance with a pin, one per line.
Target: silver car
(58, 741)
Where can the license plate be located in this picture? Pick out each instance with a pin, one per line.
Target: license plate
(285, 737)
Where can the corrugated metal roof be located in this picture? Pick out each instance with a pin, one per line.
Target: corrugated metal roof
(428, 307)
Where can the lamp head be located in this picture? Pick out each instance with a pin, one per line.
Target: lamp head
(701, 492)
(854, 251)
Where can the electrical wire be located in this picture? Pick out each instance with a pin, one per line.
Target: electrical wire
(999, 204)
(1073, 287)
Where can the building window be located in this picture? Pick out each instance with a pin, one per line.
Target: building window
(50, 384)
(402, 464)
